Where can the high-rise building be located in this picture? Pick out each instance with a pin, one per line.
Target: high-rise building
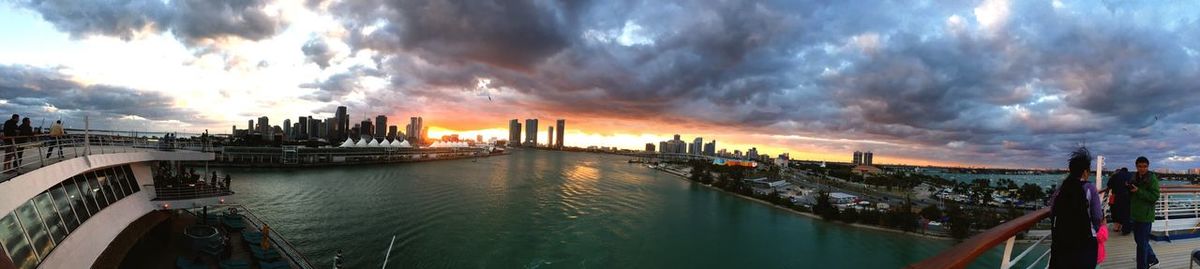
(391, 135)
(752, 154)
(415, 128)
(868, 158)
(662, 147)
(531, 130)
(264, 125)
(514, 132)
(858, 158)
(366, 128)
(314, 128)
(341, 124)
(649, 147)
(550, 137)
(287, 128)
(303, 132)
(561, 126)
(697, 146)
(250, 126)
(424, 135)
(380, 126)
(710, 148)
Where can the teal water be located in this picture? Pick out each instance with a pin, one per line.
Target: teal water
(542, 209)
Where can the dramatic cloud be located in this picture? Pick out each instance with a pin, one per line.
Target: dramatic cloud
(317, 51)
(194, 22)
(47, 95)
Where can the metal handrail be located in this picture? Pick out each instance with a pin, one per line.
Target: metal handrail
(286, 247)
(16, 149)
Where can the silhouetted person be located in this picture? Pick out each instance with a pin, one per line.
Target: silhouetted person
(227, 178)
(10, 134)
(24, 136)
(1118, 187)
(1144, 196)
(1076, 213)
(56, 134)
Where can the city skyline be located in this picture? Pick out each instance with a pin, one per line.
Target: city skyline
(985, 83)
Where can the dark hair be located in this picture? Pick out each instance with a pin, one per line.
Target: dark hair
(1142, 159)
(1080, 161)
(15, 116)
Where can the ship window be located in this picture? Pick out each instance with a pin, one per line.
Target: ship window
(76, 199)
(119, 172)
(13, 236)
(96, 190)
(49, 214)
(117, 186)
(107, 184)
(63, 203)
(88, 195)
(132, 178)
(28, 216)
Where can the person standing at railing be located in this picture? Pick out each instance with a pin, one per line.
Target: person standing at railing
(56, 134)
(1144, 194)
(1118, 200)
(24, 135)
(1077, 214)
(10, 144)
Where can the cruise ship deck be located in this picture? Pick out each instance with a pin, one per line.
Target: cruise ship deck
(111, 201)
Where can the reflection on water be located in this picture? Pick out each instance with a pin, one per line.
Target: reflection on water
(549, 210)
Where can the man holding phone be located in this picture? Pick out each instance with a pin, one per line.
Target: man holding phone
(1144, 194)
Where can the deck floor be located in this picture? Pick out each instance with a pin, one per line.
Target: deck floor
(1121, 252)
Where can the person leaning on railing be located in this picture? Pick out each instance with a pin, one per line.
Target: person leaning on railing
(24, 135)
(10, 134)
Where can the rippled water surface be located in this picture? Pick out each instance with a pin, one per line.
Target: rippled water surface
(541, 209)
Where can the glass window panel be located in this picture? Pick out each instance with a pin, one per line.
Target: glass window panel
(76, 199)
(88, 195)
(49, 213)
(125, 180)
(63, 203)
(118, 185)
(131, 178)
(107, 184)
(96, 190)
(29, 218)
(15, 242)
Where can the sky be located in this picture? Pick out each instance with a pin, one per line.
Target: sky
(968, 83)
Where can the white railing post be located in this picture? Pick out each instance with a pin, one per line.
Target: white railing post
(1005, 261)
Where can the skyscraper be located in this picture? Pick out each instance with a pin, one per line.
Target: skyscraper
(710, 148)
(366, 129)
(381, 126)
(514, 132)
(858, 157)
(314, 128)
(550, 137)
(415, 135)
(561, 127)
(697, 146)
(250, 127)
(868, 158)
(391, 135)
(341, 124)
(287, 128)
(531, 130)
(303, 132)
(264, 125)
(649, 147)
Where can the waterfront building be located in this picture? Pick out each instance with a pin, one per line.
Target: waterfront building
(697, 146)
(649, 147)
(250, 126)
(264, 125)
(531, 129)
(514, 132)
(479, 138)
(868, 158)
(550, 137)
(858, 158)
(752, 154)
(416, 130)
(561, 127)
(326, 128)
(302, 123)
(366, 128)
(662, 147)
(287, 128)
(391, 133)
(710, 148)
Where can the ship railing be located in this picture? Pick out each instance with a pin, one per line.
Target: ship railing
(1175, 203)
(286, 248)
(188, 191)
(1179, 209)
(27, 153)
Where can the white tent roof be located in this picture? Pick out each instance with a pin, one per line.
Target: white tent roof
(395, 143)
(348, 143)
(373, 143)
(361, 143)
(405, 144)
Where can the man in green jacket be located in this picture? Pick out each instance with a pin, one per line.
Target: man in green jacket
(1144, 194)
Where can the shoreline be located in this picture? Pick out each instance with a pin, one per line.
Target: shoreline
(806, 214)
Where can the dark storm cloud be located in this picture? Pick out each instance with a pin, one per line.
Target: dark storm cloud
(339, 85)
(192, 21)
(29, 91)
(1038, 80)
(316, 50)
